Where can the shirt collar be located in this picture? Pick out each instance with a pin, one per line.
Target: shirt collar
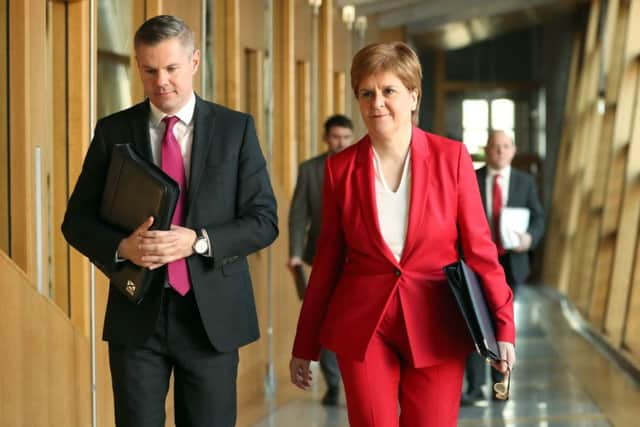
(503, 172)
(185, 114)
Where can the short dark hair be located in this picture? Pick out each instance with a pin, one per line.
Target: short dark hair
(163, 27)
(337, 120)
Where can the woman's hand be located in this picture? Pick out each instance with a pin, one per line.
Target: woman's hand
(300, 373)
(508, 356)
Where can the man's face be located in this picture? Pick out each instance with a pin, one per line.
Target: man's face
(167, 70)
(338, 138)
(500, 151)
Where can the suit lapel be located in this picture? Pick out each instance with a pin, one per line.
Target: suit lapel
(420, 179)
(203, 135)
(366, 193)
(140, 130)
(513, 188)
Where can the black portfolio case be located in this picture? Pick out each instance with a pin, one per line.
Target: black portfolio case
(136, 189)
(467, 289)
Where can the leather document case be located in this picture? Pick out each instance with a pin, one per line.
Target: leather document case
(467, 289)
(136, 189)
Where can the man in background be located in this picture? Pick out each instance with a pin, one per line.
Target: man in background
(304, 226)
(502, 186)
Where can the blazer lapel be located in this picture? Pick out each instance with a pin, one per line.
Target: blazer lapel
(140, 130)
(203, 136)
(420, 179)
(365, 180)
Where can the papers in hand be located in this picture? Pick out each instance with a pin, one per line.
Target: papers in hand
(512, 222)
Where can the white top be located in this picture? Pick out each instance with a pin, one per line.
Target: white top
(393, 207)
(504, 185)
(182, 130)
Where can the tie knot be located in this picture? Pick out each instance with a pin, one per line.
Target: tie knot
(497, 177)
(170, 121)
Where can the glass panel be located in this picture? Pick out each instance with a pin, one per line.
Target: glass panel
(114, 50)
(5, 236)
(475, 114)
(502, 114)
(475, 123)
(475, 139)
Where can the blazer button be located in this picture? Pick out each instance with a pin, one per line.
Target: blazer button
(397, 272)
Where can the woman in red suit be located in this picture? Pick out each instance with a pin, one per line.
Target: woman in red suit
(394, 207)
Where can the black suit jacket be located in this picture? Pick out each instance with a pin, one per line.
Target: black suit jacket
(522, 194)
(229, 195)
(305, 213)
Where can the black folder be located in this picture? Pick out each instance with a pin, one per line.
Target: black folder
(134, 190)
(467, 289)
(300, 279)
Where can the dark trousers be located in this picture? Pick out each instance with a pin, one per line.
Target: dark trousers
(204, 379)
(329, 367)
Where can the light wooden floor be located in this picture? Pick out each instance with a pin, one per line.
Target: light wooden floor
(561, 380)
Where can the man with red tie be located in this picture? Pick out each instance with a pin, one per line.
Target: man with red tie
(200, 307)
(500, 186)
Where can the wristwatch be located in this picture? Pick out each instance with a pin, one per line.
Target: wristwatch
(201, 245)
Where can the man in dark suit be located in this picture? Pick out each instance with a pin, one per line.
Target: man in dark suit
(304, 225)
(200, 308)
(501, 185)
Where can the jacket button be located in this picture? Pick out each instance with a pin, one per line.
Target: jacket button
(397, 272)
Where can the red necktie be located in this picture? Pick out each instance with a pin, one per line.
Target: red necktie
(173, 165)
(496, 208)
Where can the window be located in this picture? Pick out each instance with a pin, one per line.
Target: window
(114, 46)
(479, 116)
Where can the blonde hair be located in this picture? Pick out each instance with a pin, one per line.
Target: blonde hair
(395, 57)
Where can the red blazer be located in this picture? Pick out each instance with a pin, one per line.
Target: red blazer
(354, 272)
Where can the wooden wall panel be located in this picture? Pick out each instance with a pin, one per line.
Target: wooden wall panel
(60, 185)
(227, 53)
(599, 265)
(303, 110)
(601, 282)
(4, 159)
(23, 105)
(325, 72)
(339, 91)
(254, 357)
(79, 131)
(627, 233)
(44, 378)
(285, 166)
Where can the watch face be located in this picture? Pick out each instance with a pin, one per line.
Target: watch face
(200, 246)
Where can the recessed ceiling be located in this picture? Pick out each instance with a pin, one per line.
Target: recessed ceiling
(452, 24)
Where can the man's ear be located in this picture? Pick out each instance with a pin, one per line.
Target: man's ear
(195, 60)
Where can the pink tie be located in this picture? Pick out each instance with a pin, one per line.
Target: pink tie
(173, 165)
(496, 208)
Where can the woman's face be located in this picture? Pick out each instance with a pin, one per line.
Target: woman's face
(386, 104)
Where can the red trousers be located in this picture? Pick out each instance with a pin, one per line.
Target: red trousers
(386, 390)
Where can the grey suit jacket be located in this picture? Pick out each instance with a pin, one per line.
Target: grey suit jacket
(306, 209)
(229, 195)
(523, 194)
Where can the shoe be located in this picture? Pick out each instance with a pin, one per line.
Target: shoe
(472, 398)
(330, 398)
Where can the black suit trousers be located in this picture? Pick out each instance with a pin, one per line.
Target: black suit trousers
(204, 379)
